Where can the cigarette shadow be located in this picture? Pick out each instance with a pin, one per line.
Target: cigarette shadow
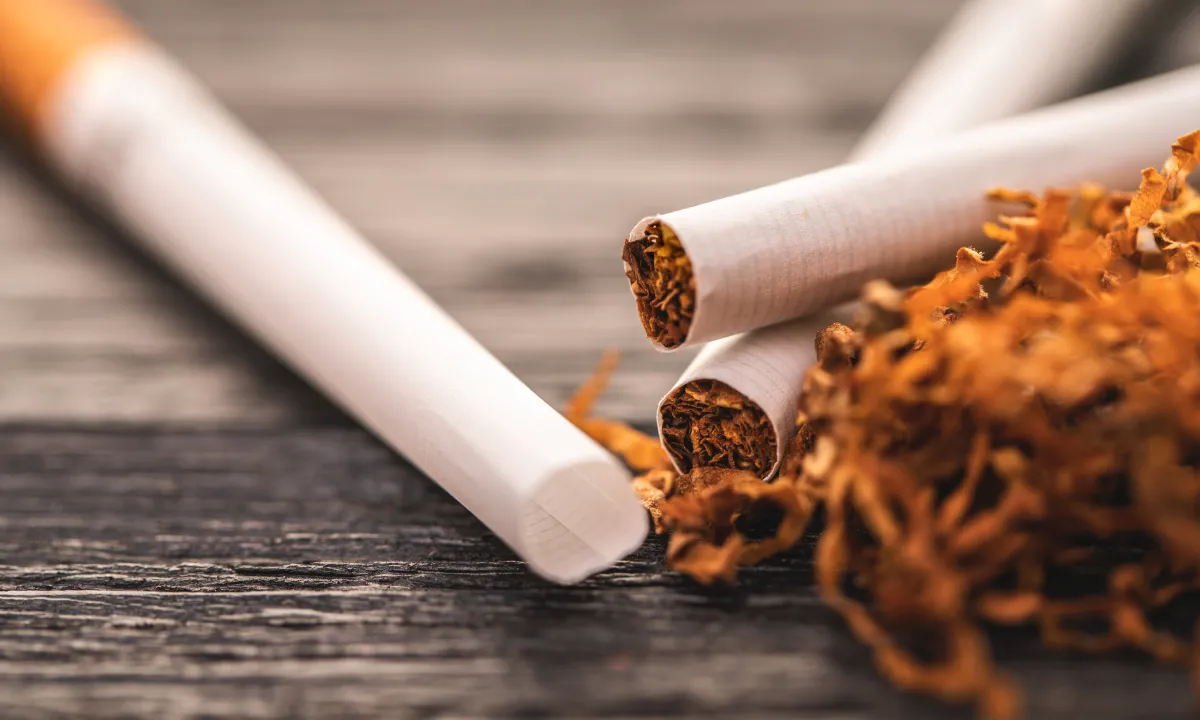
(303, 405)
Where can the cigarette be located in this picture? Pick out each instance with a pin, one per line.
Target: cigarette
(135, 134)
(971, 75)
(789, 249)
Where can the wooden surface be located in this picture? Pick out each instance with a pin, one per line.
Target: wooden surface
(187, 530)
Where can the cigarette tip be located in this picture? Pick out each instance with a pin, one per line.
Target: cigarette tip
(581, 519)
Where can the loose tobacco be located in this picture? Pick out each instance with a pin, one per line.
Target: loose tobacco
(660, 275)
(979, 444)
(708, 423)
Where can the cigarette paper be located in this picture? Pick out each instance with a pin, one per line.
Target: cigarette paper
(138, 136)
(973, 74)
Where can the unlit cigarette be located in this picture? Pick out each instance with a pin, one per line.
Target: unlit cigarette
(783, 251)
(973, 74)
(142, 139)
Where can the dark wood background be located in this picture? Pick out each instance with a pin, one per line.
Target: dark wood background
(187, 530)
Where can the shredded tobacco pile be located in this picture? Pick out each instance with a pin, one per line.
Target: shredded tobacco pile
(708, 423)
(1015, 443)
(660, 275)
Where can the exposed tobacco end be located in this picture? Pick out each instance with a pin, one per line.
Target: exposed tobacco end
(660, 275)
(708, 423)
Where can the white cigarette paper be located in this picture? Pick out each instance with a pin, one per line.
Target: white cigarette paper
(973, 74)
(221, 211)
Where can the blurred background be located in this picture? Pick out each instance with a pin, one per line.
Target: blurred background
(497, 151)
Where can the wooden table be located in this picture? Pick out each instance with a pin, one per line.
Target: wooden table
(188, 530)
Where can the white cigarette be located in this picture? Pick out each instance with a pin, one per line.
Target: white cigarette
(973, 74)
(137, 135)
(788, 249)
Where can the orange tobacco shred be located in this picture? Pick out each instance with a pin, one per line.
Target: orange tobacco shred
(1148, 199)
(976, 447)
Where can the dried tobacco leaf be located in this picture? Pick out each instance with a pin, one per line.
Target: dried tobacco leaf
(712, 511)
(660, 275)
(708, 423)
(976, 448)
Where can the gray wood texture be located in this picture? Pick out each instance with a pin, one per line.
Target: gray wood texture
(187, 530)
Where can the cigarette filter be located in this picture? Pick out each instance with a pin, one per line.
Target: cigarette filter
(970, 76)
(137, 135)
